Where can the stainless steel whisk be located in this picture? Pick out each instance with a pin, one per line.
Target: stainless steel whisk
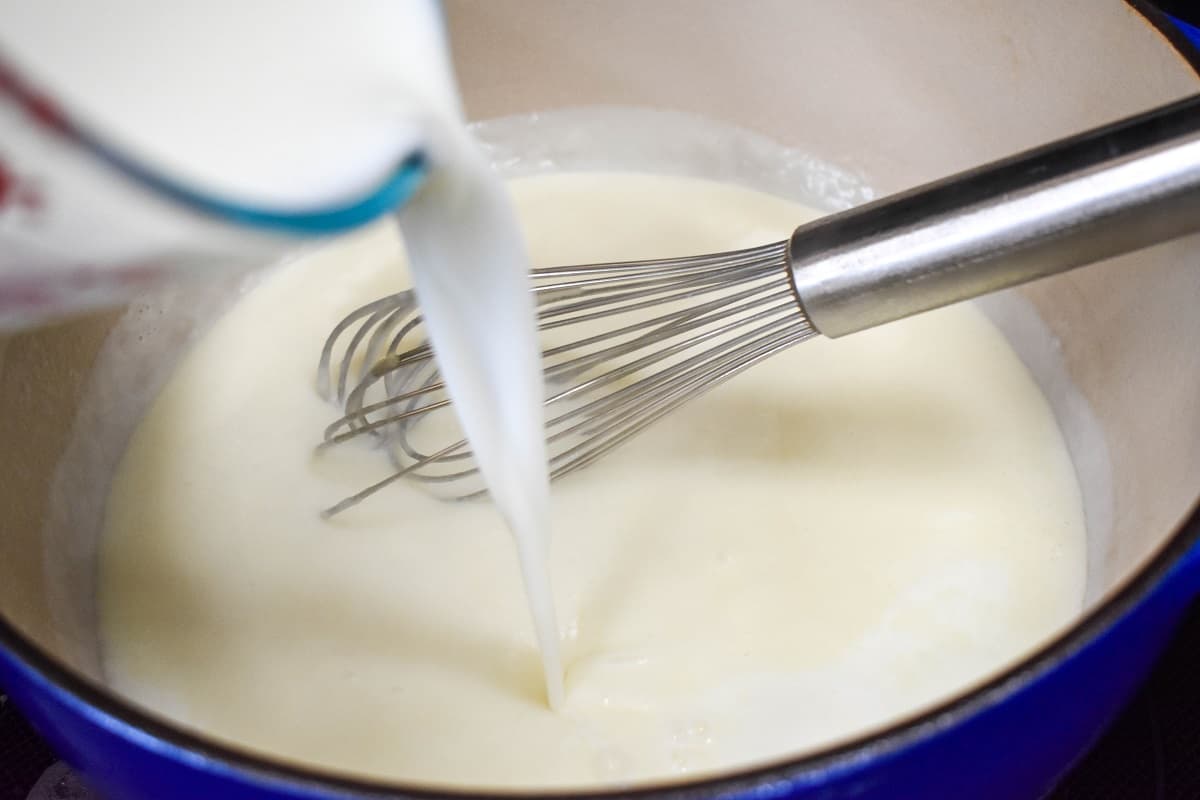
(627, 343)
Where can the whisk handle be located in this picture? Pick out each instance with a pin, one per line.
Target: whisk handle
(1076, 201)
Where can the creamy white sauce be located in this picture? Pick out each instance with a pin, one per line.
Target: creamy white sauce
(300, 104)
(842, 535)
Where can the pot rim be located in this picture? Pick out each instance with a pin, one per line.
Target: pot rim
(266, 769)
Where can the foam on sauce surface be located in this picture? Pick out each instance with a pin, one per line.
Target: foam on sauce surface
(844, 534)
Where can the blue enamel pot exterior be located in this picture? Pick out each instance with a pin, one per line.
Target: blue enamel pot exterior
(1010, 738)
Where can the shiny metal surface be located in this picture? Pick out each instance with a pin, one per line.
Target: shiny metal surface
(905, 93)
(1080, 200)
(625, 344)
(632, 342)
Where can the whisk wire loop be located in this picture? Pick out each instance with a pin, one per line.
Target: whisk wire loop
(624, 344)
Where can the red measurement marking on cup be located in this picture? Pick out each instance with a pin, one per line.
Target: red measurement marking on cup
(8, 185)
(140, 275)
(36, 104)
(81, 286)
(25, 295)
(18, 192)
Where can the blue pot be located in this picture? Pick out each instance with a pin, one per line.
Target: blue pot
(1009, 739)
(1128, 334)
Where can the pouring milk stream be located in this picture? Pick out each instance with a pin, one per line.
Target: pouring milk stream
(138, 136)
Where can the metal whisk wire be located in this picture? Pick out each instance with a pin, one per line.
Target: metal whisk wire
(627, 343)
(624, 345)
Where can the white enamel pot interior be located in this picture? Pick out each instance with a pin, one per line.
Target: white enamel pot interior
(898, 93)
